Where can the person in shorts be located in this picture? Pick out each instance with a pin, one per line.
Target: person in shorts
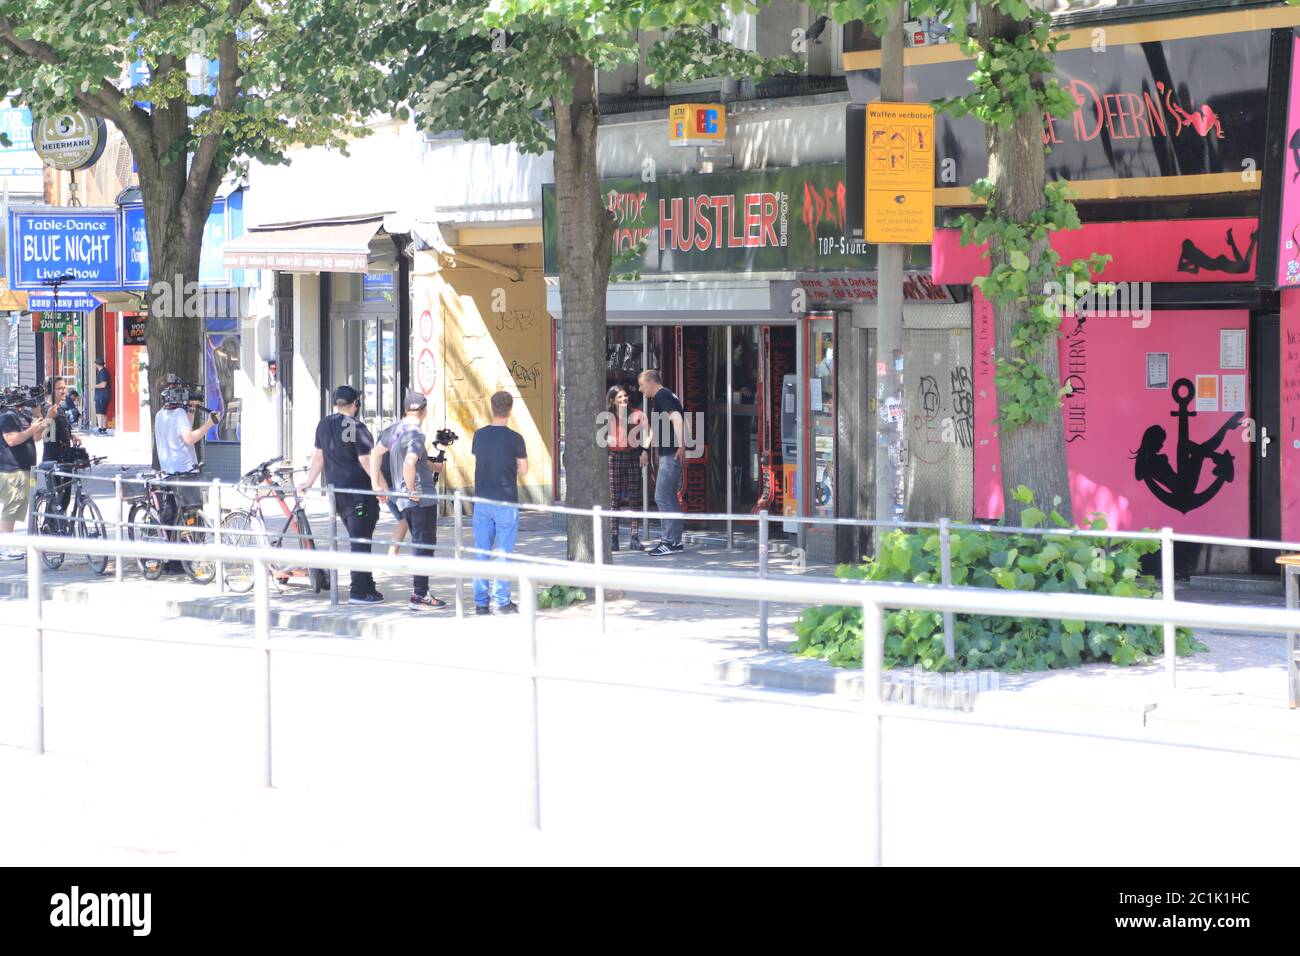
(17, 458)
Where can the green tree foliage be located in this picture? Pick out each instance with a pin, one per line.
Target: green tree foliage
(289, 73)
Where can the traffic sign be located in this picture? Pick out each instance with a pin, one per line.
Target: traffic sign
(900, 173)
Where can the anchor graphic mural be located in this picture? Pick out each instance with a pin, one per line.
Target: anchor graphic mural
(1177, 487)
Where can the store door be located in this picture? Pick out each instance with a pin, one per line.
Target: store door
(1266, 475)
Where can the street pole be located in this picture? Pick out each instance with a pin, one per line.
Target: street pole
(890, 404)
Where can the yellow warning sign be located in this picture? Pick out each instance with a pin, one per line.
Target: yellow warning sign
(900, 173)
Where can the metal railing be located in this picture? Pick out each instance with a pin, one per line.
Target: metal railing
(873, 597)
(1166, 538)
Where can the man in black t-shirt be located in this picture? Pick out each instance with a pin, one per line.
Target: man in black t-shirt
(667, 433)
(18, 435)
(343, 446)
(500, 460)
(59, 442)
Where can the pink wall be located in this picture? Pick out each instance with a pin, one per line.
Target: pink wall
(1288, 257)
(1184, 250)
(1109, 412)
(1289, 335)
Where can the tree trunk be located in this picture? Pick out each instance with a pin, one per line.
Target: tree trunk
(174, 220)
(1033, 454)
(584, 252)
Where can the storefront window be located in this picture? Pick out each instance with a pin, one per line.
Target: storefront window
(221, 359)
(363, 340)
(821, 405)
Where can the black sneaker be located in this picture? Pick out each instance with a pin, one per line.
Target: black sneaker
(482, 609)
(665, 548)
(374, 597)
(510, 608)
(635, 544)
(424, 602)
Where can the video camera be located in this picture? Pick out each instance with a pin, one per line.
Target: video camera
(22, 396)
(184, 393)
(443, 439)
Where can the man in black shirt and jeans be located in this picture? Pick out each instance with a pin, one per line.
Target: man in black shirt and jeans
(667, 433)
(343, 446)
(500, 460)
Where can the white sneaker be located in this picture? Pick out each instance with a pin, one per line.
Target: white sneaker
(12, 555)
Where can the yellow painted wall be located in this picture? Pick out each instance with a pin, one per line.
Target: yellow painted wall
(489, 334)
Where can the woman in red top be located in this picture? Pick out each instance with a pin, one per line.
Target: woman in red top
(626, 439)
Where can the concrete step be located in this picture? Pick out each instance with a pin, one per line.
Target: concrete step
(1239, 583)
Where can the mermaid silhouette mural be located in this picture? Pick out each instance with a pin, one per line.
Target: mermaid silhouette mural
(1177, 487)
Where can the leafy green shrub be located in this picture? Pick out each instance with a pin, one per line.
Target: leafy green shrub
(1020, 562)
(558, 595)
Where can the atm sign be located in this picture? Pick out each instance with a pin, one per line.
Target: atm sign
(697, 124)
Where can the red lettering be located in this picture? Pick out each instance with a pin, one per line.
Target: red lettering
(1080, 118)
(1140, 120)
(735, 240)
(753, 237)
(1049, 130)
(669, 222)
(769, 210)
(704, 237)
(719, 204)
(1156, 114)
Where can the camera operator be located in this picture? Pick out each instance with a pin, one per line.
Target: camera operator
(175, 440)
(17, 458)
(59, 442)
(343, 447)
(414, 474)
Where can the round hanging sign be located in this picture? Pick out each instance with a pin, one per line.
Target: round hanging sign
(71, 140)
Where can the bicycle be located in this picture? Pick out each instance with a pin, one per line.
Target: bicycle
(81, 518)
(144, 523)
(249, 527)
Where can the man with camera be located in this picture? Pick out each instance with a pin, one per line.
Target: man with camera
(175, 437)
(17, 458)
(343, 451)
(414, 476)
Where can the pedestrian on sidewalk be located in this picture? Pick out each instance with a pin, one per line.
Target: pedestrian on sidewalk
(72, 408)
(378, 474)
(415, 476)
(103, 386)
(17, 459)
(343, 451)
(626, 438)
(500, 461)
(666, 434)
(59, 442)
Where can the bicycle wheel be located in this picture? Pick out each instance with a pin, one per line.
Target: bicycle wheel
(146, 526)
(195, 532)
(320, 578)
(46, 521)
(90, 526)
(240, 529)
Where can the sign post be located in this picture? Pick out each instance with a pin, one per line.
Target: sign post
(900, 173)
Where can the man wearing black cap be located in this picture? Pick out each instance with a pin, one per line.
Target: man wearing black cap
(343, 446)
(414, 476)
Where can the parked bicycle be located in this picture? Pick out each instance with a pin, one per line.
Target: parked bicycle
(81, 518)
(250, 527)
(145, 523)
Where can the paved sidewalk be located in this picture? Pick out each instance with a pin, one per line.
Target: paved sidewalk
(1234, 696)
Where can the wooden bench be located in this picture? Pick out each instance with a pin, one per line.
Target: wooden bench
(1290, 569)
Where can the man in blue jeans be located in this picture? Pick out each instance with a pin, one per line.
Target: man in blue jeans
(500, 460)
(667, 433)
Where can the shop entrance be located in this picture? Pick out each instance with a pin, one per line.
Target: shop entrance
(731, 379)
(1266, 473)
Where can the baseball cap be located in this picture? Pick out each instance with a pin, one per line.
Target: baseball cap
(345, 395)
(415, 400)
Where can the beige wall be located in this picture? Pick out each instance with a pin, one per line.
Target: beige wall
(488, 334)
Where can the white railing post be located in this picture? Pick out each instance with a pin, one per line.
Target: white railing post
(1167, 592)
(598, 556)
(528, 606)
(873, 649)
(334, 545)
(945, 578)
(214, 508)
(36, 599)
(458, 529)
(262, 644)
(762, 573)
(119, 517)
